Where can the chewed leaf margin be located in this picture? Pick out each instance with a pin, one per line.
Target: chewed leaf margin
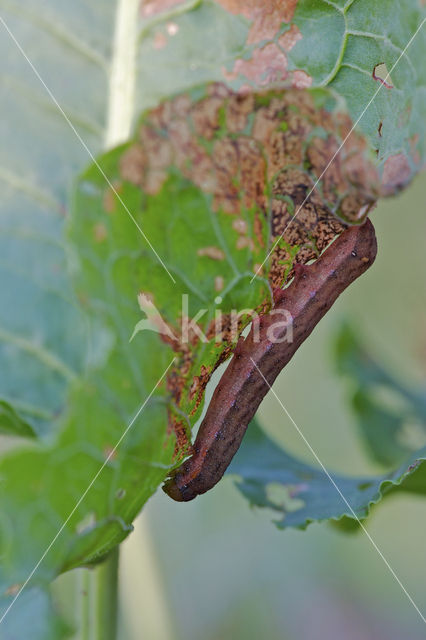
(300, 494)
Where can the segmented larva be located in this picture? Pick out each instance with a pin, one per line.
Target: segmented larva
(242, 388)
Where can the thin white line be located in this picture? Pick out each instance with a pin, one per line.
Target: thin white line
(339, 149)
(84, 145)
(342, 496)
(110, 455)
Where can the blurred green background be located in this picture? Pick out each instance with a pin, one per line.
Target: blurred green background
(215, 569)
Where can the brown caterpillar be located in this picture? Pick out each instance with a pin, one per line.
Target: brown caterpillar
(241, 389)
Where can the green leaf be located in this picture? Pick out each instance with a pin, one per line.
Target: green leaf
(11, 424)
(179, 227)
(299, 494)
(33, 611)
(350, 40)
(194, 51)
(75, 382)
(391, 417)
(38, 307)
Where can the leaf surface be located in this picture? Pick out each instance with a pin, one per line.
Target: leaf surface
(391, 416)
(299, 494)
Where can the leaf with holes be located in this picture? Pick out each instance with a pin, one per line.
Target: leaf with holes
(299, 494)
(368, 52)
(372, 59)
(391, 416)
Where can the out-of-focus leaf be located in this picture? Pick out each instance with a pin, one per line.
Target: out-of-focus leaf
(11, 424)
(43, 333)
(34, 616)
(46, 342)
(391, 417)
(299, 494)
(60, 373)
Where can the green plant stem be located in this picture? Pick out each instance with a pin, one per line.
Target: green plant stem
(99, 600)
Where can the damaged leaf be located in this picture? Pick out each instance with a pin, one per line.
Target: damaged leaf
(391, 417)
(221, 184)
(370, 53)
(353, 48)
(299, 494)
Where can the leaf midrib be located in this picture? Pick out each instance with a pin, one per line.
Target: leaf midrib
(43, 355)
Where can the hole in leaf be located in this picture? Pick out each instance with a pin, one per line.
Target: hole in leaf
(380, 73)
(282, 497)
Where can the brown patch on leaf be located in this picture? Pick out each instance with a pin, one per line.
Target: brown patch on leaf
(176, 378)
(226, 167)
(99, 232)
(12, 590)
(238, 108)
(110, 197)
(160, 40)
(268, 65)
(133, 163)
(396, 174)
(266, 16)
(289, 38)
(258, 224)
(180, 428)
(151, 8)
(205, 116)
(307, 224)
(236, 148)
(219, 283)
(251, 173)
(198, 387)
(243, 242)
(301, 80)
(175, 135)
(240, 226)
(110, 453)
(343, 169)
(211, 252)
